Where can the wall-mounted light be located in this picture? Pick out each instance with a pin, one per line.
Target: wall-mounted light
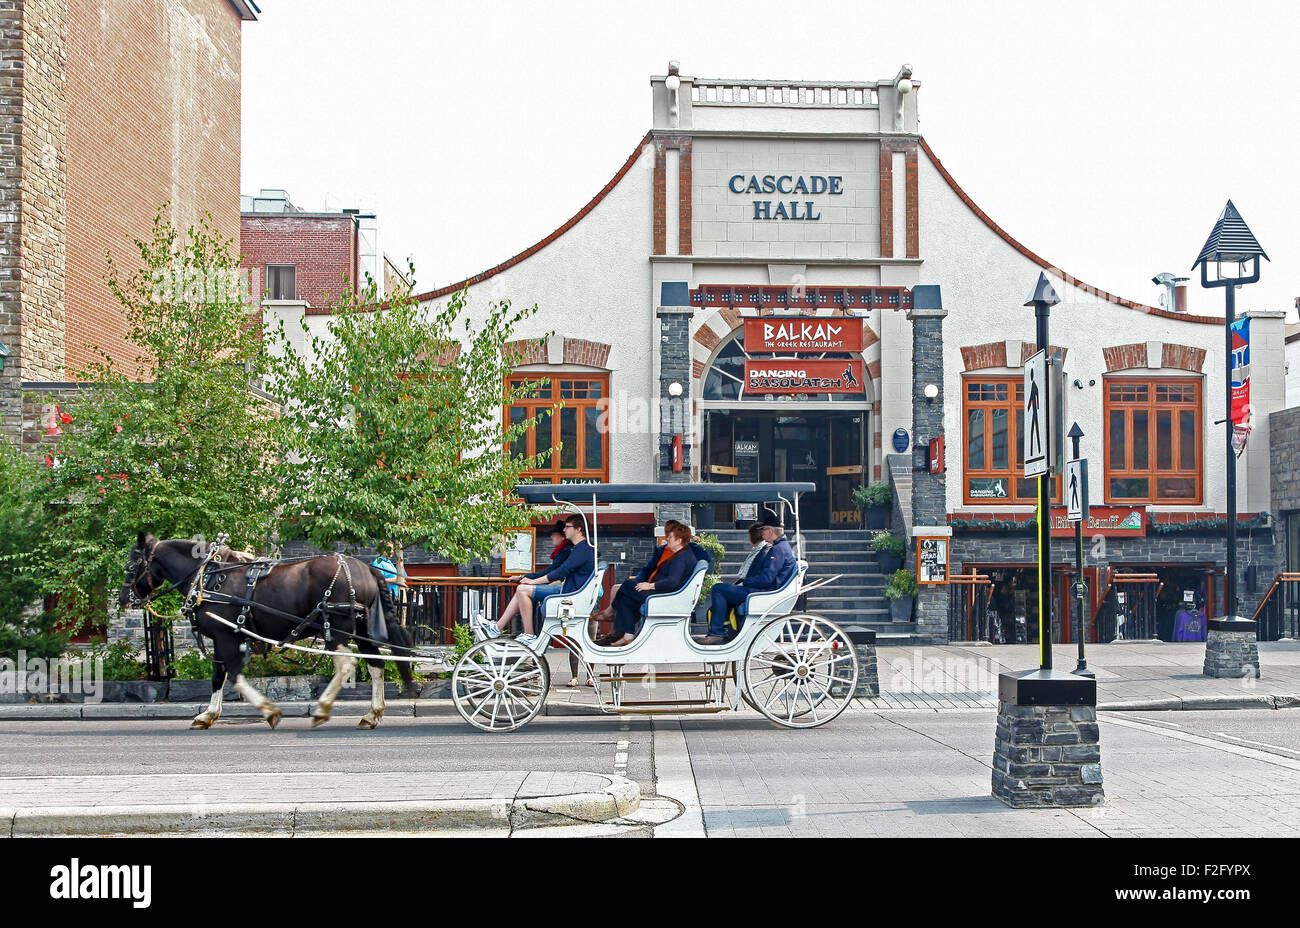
(1078, 384)
(931, 390)
(674, 389)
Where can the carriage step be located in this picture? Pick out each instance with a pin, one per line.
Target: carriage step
(663, 678)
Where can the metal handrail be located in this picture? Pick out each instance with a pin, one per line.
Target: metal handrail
(1280, 601)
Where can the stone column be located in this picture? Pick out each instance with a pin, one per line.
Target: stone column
(1047, 750)
(929, 491)
(675, 412)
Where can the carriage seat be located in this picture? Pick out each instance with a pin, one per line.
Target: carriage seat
(682, 603)
(584, 598)
(775, 602)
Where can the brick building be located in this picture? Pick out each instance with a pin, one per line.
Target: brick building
(115, 108)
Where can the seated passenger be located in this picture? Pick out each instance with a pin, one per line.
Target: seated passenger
(753, 565)
(778, 564)
(572, 575)
(628, 586)
(668, 576)
(560, 549)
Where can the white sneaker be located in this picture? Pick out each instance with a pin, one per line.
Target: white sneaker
(489, 629)
(528, 641)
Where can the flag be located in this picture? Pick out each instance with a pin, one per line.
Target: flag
(1242, 420)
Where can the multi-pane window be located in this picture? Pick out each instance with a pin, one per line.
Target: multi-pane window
(993, 462)
(568, 411)
(281, 282)
(1153, 440)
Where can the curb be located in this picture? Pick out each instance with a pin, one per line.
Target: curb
(1201, 703)
(110, 711)
(620, 798)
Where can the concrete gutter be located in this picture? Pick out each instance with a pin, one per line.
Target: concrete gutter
(1201, 703)
(618, 799)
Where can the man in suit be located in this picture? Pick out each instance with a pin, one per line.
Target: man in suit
(778, 565)
(669, 575)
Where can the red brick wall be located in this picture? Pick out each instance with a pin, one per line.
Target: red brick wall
(581, 351)
(1182, 357)
(152, 116)
(323, 249)
(1123, 357)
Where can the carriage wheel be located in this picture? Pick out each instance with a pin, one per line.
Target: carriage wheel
(499, 685)
(800, 671)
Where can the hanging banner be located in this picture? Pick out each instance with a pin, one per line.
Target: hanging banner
(798, 375)
(1241, 417)
(793, 335)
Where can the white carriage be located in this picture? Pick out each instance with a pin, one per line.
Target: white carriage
(797, 669)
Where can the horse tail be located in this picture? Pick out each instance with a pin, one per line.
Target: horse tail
(399, 639)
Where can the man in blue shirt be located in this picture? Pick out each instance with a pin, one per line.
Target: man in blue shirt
(571, 575)
(778, 566)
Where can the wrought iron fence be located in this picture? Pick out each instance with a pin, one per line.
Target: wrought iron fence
(1128, 608)
(158, 648)
(1278, 613)
(434, 607)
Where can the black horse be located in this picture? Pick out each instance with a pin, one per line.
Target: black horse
(333, 596)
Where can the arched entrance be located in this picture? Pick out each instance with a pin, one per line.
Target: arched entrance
(757, 426)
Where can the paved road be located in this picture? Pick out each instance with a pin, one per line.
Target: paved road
(902, 772)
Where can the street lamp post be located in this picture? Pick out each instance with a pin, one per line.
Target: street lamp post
(1043, 299)
(1230, 242)
(1076, 492)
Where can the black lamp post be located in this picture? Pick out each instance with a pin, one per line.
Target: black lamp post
(1230, 242)
(1043, 299)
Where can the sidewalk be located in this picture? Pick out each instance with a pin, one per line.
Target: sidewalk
(1131, 676)
(495, 802)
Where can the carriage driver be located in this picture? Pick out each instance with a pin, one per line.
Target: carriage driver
(568, 577)
(778, 566)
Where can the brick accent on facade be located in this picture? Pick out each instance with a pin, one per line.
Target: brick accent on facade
(886, 199)
(873, 370)
(697, 369)
(1028, 350)
(1124, 357)
(530, 350)
(1182, 357)
(662, 143)
(911, 185)
(581, 351)
(979, 357)
(706, 337)
(731, 316)
(322, 249)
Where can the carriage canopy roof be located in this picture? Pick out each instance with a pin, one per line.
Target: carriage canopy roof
(542, 493)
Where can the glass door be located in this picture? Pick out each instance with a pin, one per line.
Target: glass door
(846, 470)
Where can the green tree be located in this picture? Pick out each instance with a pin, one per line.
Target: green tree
(23, 525)
(176, 439)
(392, 425)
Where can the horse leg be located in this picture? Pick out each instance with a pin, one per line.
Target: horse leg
(270, 711)
(205, 718)
(344, 665)
(371, 718)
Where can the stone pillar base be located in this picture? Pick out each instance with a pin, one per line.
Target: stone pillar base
(1047, 755)
(864, 645)
(1231, 648)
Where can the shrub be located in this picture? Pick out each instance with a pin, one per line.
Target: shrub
(192, 666)
(886, 543)
(121, 659)
(711, 544)
(879, 493)
(902, 585)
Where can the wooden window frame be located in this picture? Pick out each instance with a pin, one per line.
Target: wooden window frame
(553, 471)
(1152, 405)
(1016, 470)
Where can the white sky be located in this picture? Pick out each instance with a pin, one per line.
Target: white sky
(1105, 136)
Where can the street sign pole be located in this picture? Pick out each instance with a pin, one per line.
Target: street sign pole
(1042, 300)
(1078, 479)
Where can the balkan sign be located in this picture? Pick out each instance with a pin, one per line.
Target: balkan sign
(1109, 521)
(794, 335)
(796, 375)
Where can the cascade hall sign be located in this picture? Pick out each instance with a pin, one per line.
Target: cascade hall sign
(790, 185)
(808, 335)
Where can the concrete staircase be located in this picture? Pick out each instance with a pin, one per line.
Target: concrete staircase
(854, 600)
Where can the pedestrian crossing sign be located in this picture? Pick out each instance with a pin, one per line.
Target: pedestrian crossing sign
(1037, 403)
(1076, 490)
